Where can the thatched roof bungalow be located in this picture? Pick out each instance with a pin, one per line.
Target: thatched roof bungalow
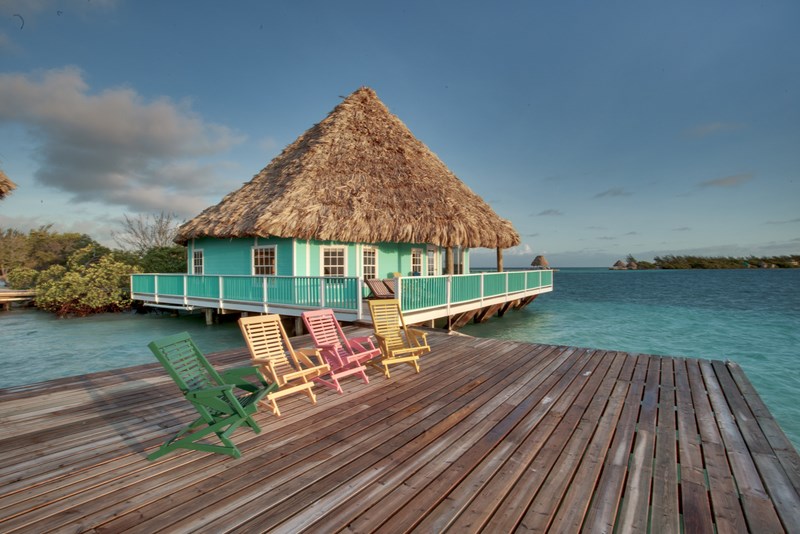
(358, 180)
(540, 262)
(6, 185)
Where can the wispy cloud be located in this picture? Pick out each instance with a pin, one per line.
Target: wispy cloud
(523, 249)
(682, 229)
(549, 213)
(712, 128)
(728, 181)
(613, 192)
(632, 233)
(607, 238)
(537, 234)
(790, 221)
(114, 147)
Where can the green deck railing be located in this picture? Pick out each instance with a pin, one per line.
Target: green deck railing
(418, 293)
(415, 292)
(304, 291)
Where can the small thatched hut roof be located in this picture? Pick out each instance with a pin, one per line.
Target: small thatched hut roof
(6, 185)
(540, 261)
(358, 176)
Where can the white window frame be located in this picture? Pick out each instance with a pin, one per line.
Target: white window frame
(458, 260)
(198, 253)
(416, 254)
(322, 258)
(432, 266)
(253, 252)
(365, 265)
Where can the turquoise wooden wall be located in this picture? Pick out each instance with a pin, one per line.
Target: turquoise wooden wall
(234, 256)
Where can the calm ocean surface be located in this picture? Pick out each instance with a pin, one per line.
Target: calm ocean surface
(751, 317)
(748, 316)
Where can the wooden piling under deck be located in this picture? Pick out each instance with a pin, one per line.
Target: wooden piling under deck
(491, 435)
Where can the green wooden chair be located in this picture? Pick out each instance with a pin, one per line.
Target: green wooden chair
(214, 395)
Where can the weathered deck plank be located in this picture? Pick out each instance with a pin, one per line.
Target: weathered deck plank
(491, 435)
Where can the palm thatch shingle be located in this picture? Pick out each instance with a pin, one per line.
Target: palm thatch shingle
(6, 185)
(358, 176)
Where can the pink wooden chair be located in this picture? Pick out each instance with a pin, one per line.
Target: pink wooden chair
(344, 356)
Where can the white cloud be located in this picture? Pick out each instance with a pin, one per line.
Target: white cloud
(113, 146)
(613, 192)
(728, 181)
(711, 128)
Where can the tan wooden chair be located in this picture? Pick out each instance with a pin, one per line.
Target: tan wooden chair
(269, 347)
(398, 343)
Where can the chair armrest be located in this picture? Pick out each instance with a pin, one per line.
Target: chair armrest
(236, 376)
(311, 368)
(361, 341)
(416, 334)
(213, 391)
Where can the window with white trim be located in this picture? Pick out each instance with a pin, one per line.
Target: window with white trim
(369, 264)
(433, 260)
(264, 261)
(333, 261)
(416, 261)
(197, 262)
(458, 260)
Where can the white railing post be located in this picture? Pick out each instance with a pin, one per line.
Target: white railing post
(221, 293)
(398, 289)
(506, 280)
(359, 298)
(155, 286)
(483, 290)
(449, 291)
(185, 289)
(322, 291)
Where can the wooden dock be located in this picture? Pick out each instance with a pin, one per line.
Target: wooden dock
(491, 436)
(7, 296)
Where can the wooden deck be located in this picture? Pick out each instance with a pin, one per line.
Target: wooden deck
(491, 435)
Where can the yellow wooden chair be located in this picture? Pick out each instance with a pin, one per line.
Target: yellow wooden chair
(269, 346)
(398, 343)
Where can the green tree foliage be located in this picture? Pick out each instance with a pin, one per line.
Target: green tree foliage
(92, 282)
(164, 260)
(13, 251)
(22, 278)
(46, 248)
(703, 262)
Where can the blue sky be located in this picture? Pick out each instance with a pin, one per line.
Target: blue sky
(598, 128)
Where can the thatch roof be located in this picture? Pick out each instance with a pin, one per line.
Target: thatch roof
(358, 176)
(540, 261)
(6, 185)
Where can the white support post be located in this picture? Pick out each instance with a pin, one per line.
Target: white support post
(398, 291)
(449, 290)
(185, 290)
(221, 295)
(155, 286)
(359, 298)
(322, 291)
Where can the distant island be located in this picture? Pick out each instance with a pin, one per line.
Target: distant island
(702, 262)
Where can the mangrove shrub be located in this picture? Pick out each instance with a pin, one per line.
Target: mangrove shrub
(88, 284)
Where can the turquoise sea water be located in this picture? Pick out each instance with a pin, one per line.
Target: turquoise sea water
(751, 317)
(36, 346)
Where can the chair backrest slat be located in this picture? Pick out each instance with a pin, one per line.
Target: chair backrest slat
(267, 341)
(387, 320)
(185, 363)
(323, 327)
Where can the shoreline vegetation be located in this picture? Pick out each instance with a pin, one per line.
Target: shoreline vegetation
(707, 262)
